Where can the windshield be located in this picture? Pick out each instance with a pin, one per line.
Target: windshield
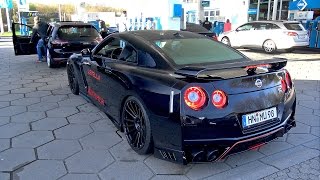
(294, 26)
(81, 33)
(195, 28)
(197, 51)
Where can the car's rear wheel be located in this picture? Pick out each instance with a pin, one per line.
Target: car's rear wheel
(73, 82)
(137, 126)
(226, 40)
(49, 60)
(269, 46)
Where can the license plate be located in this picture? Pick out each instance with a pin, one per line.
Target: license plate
(302, 37)
(258, 117)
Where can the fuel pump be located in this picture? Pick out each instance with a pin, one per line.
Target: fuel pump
(313, 33)
(318, 34)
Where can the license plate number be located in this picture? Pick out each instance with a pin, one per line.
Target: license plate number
(258, 117)
(302, 37)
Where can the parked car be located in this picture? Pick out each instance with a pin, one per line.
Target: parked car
(268, 35)
(64, 39)
(196, 28)
(183, 96)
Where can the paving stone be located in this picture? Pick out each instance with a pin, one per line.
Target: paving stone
(100, 140)
(4, 92)
(49, 87)
(84, 118)
(73, 131)
(243, 158)
(20, 81)
(28, 117)
(284, 159)
(44, 80)
(314, 144)
(124, 153)
(38, 94)
(274, 147)
(58, 149)
(63, 91)
(165, 167)
(297, 139)
(11, 97)
(315, 131)
(4, 120)
(4, 104)
(42, 106)
(49, 124)
(88, 108)
(72, 102)
(122, 171)
(80, 177)
(34, 85)
(253, 170)
(15, 158)
(10, 87)
(199, 171)
(89, 161)
(62, 112)
(32, 139)
(316, 112)
(12, 110)
(103, 125)
(310, 120)
(54, 98)
(25, 101)
(4, 176)
(23, 90)
(41, 170)
(13, 129)
(310, 104)
(300, 110)
(312, 93)
(4, 144)
(304, 97)
(170, 177)
(300, 129)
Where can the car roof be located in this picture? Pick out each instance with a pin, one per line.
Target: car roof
(68, 23)
(156, 35)
(274, 21)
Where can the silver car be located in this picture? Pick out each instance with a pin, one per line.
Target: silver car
(268, 35)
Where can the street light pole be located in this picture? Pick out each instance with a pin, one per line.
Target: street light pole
(258, 10)
(269, 8)
(1, 22)
(275, 9)
(8, 20)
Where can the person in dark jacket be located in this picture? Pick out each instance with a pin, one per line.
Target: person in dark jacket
(39, 29)
(207, 24)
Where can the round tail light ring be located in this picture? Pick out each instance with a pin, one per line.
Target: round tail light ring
(195, 98)
(219, 99)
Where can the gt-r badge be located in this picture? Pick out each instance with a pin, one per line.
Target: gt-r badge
(258, 83)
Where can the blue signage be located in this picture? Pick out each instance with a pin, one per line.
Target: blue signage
(252, 11)
(304, 4)
(6, 4)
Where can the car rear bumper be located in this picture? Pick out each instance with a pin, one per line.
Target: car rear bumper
(292, 44)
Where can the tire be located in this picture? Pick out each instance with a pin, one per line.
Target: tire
(49, 60)
(226, 40)
(73, 81)
(269, 46)
(136, 125)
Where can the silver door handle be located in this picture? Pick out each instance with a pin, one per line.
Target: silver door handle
(86, 63)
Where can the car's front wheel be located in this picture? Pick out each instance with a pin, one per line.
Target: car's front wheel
(136, 125)
(269, 46)
(49, 60)
(226, 40)
(73, 82)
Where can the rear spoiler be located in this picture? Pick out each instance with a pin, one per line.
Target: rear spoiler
(270, 64)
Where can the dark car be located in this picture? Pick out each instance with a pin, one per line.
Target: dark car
(108, 31)
(196, 28)
(183, 96)
(63, 39)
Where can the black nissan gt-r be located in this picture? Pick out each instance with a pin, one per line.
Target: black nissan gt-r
(184, 96)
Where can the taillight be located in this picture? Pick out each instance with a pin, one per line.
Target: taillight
(288, 79)
(292, 34)
(195, 97)
(219, 99)
(284, 85)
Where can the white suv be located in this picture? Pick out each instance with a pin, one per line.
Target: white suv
(268, 35)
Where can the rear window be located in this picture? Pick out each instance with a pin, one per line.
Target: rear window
(294, 26)
(197, 51)
(77, 33)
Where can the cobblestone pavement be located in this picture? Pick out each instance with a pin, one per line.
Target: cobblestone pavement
(48, 133)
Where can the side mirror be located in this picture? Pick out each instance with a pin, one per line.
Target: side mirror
(86, 52)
